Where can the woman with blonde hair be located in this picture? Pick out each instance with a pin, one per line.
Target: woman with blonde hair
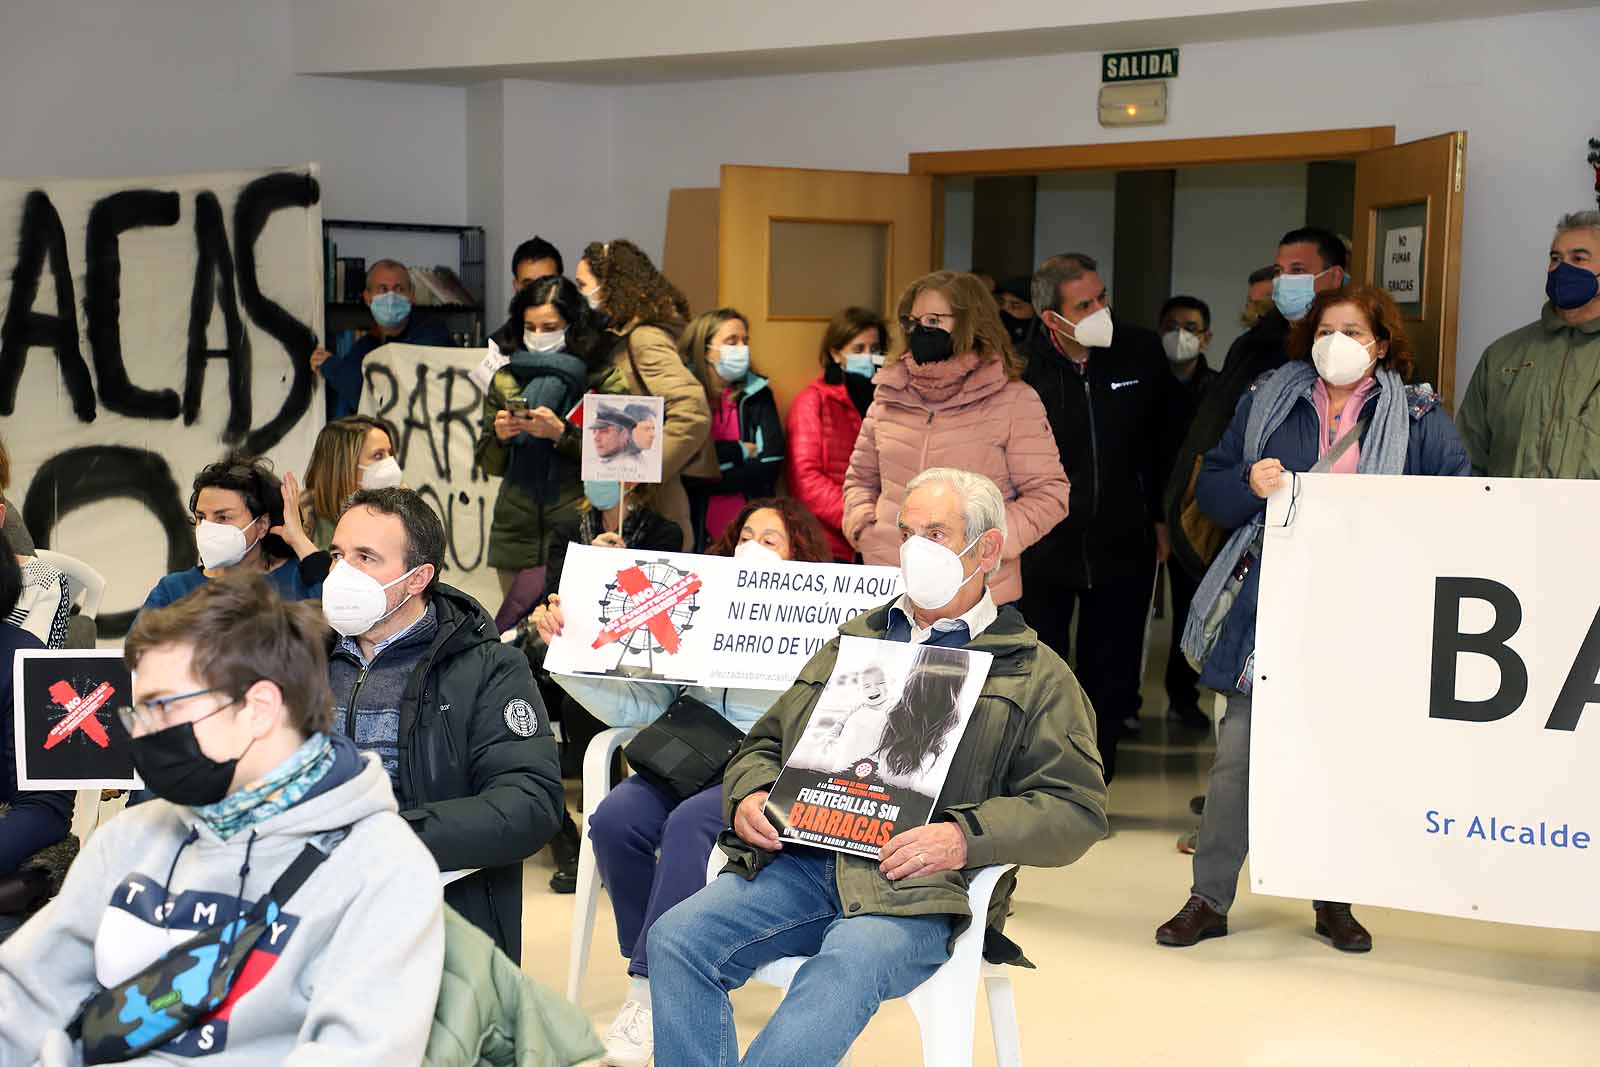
(954, 398)
(355, 452)
(643, 315)
(746, 431)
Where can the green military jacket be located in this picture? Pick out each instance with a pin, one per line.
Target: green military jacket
(1025, 784)
(1532, 409)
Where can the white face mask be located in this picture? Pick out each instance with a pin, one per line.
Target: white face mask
(384, 474)
(353, 600)
(592, 298)
(1181, 345)
(1341, 359)
(932, 573)
(544, 342)
(755, 552)
(220, 545)
(1092, 331)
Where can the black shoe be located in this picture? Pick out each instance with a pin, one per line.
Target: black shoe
(1194, 922)
(1198, 804)
(1335, 923)
(1190, 717)
(564, 850)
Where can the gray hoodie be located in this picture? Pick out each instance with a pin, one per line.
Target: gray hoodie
(349, 975)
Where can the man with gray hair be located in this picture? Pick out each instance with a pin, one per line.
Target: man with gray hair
(388, 297)
(1527, 412)
(877, 930)
(1116, 412)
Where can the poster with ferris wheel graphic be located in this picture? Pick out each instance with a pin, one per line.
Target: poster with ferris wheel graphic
(683, 619)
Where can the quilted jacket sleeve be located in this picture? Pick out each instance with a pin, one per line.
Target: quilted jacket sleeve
(864, 481)
(1034, 465)
(809, 483)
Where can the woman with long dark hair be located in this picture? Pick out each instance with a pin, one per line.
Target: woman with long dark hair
(919, 723)
(526, 437)
(644, 316)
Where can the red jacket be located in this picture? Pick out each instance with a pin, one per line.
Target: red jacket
(823, 426)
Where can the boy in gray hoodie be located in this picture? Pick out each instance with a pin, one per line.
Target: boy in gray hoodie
(229, 726)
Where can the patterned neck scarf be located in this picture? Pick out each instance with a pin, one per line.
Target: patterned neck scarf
(280, 790)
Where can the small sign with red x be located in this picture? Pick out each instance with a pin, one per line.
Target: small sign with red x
(63, 706)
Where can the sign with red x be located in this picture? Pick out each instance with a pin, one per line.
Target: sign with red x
(63, 704)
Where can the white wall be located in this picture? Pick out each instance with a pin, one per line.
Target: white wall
(1514, 83)
(106, 89)
(1226, 223)
(1077, 212)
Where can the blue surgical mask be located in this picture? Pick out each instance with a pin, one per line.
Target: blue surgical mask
(733, 362)
(1293, 294)
(391, 309)
(1569, 287)
(862, 363)
(603, 496)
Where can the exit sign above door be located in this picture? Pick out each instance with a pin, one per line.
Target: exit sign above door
(1139, 66)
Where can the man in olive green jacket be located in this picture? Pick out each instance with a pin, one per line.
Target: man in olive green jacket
(1025, 786)
(1532, 409)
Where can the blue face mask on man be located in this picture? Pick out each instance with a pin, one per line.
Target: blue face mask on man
(1294, 293)
(1569, 287)
(391, 309)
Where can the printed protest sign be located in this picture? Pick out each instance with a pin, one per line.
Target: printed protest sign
(427, 393)
(684, 619)
(875, 752)
(622, 439)
(63, 704)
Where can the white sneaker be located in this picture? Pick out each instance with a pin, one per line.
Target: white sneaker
(631, 1041)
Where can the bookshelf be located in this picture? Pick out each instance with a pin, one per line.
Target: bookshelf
(450, 257)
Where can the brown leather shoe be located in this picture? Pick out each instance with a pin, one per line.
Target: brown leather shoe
(1195, 922)
(1335, 922)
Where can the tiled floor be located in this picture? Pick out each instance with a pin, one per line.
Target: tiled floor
(1433, 991)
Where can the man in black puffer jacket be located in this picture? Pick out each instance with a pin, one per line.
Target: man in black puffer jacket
(421, 678)
(1114, 407)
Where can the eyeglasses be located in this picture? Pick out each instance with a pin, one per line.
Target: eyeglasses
(151, 716)
(1294, 503)
(934, 320)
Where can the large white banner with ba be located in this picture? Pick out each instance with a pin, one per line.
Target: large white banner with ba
(677, 618)
(150, 325)
(1426, 726)
(437, 410)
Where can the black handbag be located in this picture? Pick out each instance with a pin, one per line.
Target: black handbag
(685, 751)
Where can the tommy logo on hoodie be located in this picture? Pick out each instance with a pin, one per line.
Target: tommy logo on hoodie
(143, 924)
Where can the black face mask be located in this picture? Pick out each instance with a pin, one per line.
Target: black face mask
(174, 768)
(929, 344)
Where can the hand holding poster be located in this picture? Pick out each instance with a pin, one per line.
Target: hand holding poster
(684, 619)
(875, 752)
(622, 441)
(63, 705)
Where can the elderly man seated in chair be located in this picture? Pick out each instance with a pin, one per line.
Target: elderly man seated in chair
(1025, 786)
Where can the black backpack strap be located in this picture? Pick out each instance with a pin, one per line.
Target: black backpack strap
(317, 850)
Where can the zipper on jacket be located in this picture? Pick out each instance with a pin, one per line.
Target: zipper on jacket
(1094, 459)
(350, 711)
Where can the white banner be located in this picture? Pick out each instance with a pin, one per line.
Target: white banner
(683, 619)
(1426, 724)
(149, 326)
(428, 395)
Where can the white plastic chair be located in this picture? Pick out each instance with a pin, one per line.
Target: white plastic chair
(943, 1004)
(597, 759)
(85, 585)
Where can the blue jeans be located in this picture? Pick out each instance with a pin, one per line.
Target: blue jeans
(634, 821)
(712, 942)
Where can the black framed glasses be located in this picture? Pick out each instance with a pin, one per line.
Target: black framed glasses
(1294, 501)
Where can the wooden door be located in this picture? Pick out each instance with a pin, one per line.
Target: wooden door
(796, 246)
(1408, 241)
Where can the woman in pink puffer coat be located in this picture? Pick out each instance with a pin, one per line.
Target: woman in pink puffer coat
(954, 399)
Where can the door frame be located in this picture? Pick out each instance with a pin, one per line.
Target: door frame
(1140, 155)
